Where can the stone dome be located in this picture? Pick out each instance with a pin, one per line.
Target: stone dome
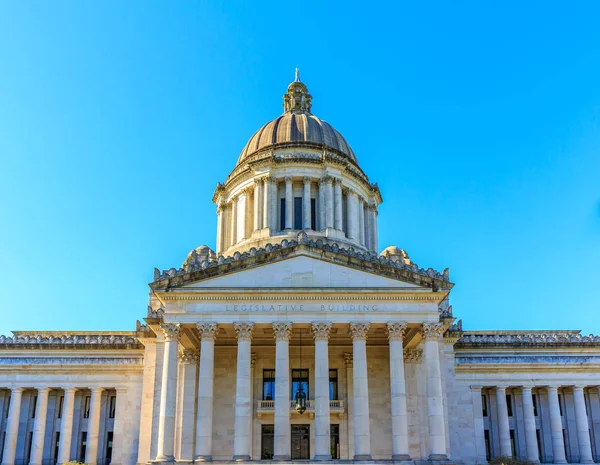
(297, 127)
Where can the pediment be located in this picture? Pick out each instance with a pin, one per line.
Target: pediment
(301, 272)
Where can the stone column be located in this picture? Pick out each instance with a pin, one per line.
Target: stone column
(204, 418)
(362, 431)
(398, 392)
(558, 440)
(361, 221)
(503, 425)
(289, 203)
(306, 200)
(375, 231)
(273, 213)
(283, 331)
(529, 420)
(242, 442)
(233, 231)
(583, 428)
(39, 427)
(329, 208)
(368, 232)
(476, 398)
(321, 205)
(322, 419)
(168, 395)
(350, 399)
(352, 216)
(189, 364)
(257, 204)
(432, 333)
(93, 434)
(243, 213)
(338, 205)
(12, 426)
(219, 228)
(252, 365)
(66, 426)
(266, 203)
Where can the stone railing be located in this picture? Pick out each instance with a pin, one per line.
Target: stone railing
(529, 338)
(268, 407)
(97, 339)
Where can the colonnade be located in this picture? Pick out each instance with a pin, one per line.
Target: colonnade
(41, 422)
(359, 416)
(528, 412)
(257, 207)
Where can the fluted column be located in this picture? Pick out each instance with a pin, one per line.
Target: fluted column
(12, 426)
(243, 214)
(242, 442)
(432, 333)
(556, 429)
(348, 361)
(583, 428)
(204, 418)
(352, 219)
(375, 230)
(503, 425)
(529, 420)
(273, 208)
(39, 426)
(368, 231)
(338, 205)
(289, 203)
(322, 419)
(329, 207)
(189, 361)
(219, 229)
(66, 426)
(233, 231)
(321, 207)
(362, 431)
(282, 331)
(266, 203)
(168, 394)
(361, 222)
(257, 204)
(93, 434)
(306, 200)
(478, 424)
(400, 450)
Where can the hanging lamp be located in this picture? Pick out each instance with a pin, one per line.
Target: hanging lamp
(300, 394)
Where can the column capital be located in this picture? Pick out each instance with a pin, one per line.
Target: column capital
(17, 390)
(307, 179)
(359, 331)
(527, 387)
(325, 179)
(70, 389)
(413, 355)
(234, 198)
(578, 387)
(501, 389)
(552, 388)
(258, 181)
(288, 179)
(244, 331)
(396, 330)
(43, 390)
(96, 390)
(321, 330)
(121, 389)
(188, 357)
(348, 359)
(432, 331)
(207, 331)
(282, 330)
(171, 331)
(253, 358)
(476, 388)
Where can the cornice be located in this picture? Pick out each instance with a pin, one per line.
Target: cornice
(288, 294)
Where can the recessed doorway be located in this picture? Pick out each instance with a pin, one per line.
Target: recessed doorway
(300, 442)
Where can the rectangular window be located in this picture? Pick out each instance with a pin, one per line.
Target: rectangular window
(333, 385)
(109, 446)
(34, 403)
(539, 444)
(488, 448)
(282, 215)
(112, 406)
(535, 409)
(268, 384)
(82, 445)
(299, 377)
(509, 405)
(313, 214)
(513, 446)
(560, 404)
(335, 441)
(86, 407)
(61, 400)
(7, 407)
(29, 443)
(267, 442)
(56, 443)
(297, 212)
(484, 409)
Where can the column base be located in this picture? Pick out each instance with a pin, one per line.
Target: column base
(363, 457)
(321, 458)
(203, 458)
(283, 458)
(163, 458)
(401, 458)
(241, 458)
(437, 458)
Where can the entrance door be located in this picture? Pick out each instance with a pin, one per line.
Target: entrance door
(300, 442)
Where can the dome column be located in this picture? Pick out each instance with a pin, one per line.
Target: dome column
(361, 221)
(352, 219)
(220, 229)
(289, 204)
(257, 204)
(273, 204)
(306, 207)
(321, 207)
(338, 205)
(266, 203)
(233, 230)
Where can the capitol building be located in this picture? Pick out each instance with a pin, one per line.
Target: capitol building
(299, 338)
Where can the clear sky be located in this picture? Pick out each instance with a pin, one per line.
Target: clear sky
(479, 120)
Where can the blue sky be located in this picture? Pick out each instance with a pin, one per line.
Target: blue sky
(479, 121)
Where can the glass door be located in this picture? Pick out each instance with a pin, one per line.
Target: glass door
(300, 442)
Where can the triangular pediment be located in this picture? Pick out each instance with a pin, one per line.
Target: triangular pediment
(301, 272)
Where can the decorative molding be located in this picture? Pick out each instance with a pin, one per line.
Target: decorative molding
(532, 338)
(95, 339)
(396, 330)
(159, 312)
(288, 179)
(321, 330)
(282, 330)
(432, 331)
(244, 331)
(171, 331)
(207, 330)
(348, 359)
(188, 357)
(359, 331)
(307, 179)
(70, 361)
(413, 355)
(253, 358)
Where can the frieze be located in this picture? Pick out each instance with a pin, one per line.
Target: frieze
(413, 355)
(87, 360)
(99, 339)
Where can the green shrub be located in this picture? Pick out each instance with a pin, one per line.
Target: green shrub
(509, 461)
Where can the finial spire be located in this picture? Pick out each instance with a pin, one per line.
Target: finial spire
(297, 75)
(297, 97)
